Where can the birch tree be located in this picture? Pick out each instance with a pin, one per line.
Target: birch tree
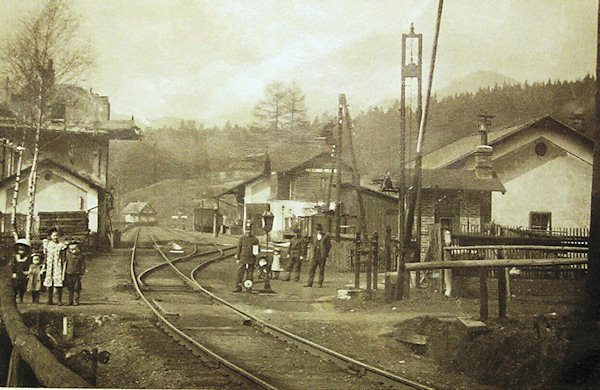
(43, 53)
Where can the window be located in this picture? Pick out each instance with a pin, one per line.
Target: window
(324, 184)
(540, 149)
(446, 223)
(540, 220)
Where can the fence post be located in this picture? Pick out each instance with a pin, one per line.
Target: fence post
(483, 294)
(369, 251)
(357, 261)
(375, 259)
(446, 275)
(401, 280)
(502, 293)
(387, 254)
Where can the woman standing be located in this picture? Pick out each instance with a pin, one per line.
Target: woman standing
(55, 259)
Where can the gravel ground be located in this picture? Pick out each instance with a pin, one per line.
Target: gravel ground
(112, 319)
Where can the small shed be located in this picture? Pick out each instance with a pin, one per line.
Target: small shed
(139, 212)
(459, 200)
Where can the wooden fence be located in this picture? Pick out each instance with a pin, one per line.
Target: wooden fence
(511, 236)
(473, 258)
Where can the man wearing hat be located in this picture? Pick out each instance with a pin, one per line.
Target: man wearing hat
(296, 253)
(321, 244)
(246, 256)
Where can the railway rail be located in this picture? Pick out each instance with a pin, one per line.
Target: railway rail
(309, 361)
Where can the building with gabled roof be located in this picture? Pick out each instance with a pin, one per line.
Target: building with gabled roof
(139, 212)
(77, 141)
(458, 200)
(544, 164)
(293, 191)
(64, 198)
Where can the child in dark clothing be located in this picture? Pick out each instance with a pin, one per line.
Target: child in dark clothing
(19, 267)
(74, 269)
(34, 277)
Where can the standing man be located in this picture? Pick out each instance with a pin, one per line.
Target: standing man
(246, 256)
(296, 252)
(321, 245)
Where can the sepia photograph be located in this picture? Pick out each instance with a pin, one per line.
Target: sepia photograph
(277, 194)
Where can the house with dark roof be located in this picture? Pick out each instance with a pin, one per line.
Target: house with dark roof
(544, 165)
(139, 212)
(293, 191)
(458, 200)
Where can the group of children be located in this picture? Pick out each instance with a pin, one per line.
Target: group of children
(58, 265)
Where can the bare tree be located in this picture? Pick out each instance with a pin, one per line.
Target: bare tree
(295, 109)
(44, 53)
(270, 111)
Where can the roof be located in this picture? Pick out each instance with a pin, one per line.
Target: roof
(450, 179)
(137, 208)
(282, 169)
(373, 189)
(114, 129)
(243, 184)
(466, 146)
(50, 162)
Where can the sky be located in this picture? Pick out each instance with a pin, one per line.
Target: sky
(211, 60)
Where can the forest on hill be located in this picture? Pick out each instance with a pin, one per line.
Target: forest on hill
(190, 151)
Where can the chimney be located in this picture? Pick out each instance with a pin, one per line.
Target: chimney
(485, 121)
(483, 162)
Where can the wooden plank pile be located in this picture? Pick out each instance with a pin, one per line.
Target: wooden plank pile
(72, 224)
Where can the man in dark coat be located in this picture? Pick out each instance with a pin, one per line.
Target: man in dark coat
(246, 256)
(296, 252)
(321, 244)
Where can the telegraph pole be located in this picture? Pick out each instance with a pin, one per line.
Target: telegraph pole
(338, 166)
(592, 284)
(409, 71)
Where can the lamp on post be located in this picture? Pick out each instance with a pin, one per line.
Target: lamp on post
(267, 222)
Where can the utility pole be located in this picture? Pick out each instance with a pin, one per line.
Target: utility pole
(362, 225)
(417, 179)
(338, 166)
(409, 71)
(592, 283)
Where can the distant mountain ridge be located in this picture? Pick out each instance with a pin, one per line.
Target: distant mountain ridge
(473, 82)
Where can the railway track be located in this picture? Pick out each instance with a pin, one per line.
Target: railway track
(227, 337)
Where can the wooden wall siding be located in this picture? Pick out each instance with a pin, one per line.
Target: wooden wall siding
(427, 220)
(379, 212)
(307, 186)
(468, 212)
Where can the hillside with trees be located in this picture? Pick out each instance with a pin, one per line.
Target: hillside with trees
(454, 117)
(213, 155)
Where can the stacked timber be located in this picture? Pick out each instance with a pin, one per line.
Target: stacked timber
(72, 224)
